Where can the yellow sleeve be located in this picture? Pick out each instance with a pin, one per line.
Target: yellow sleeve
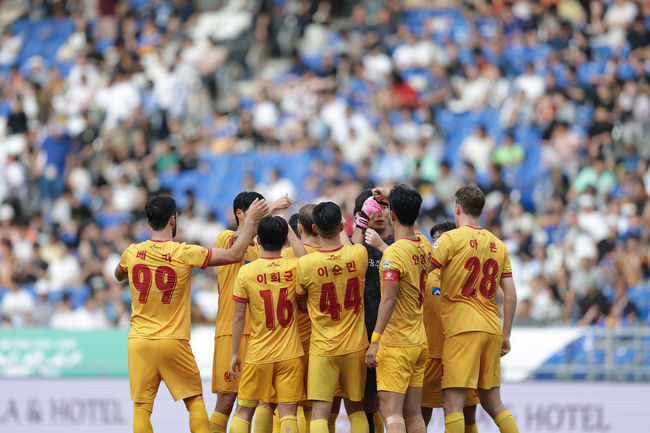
(239, 293)
(302, 279)
(363, 252)
(224, 239)
(392, 265)
(442, 251)
(507, 269)
(124, 260)
(196, 256)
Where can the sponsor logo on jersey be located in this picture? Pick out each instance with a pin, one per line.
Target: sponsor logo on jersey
(435, 244)
(435, 291)
(386, 264)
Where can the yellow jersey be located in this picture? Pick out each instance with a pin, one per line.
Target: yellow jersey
(333, 282)
(160, 277)
(302, 317)
(431, 314)
(407, 262)
(226, 275)
(268, 285)
(472, 262)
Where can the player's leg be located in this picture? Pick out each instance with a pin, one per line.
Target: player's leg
(426, 414)
(371, 404)
(489, 383)
(334, 414)
(431, 388)
(288, 417)
(320, 390)
(264, 417)
(199, 422)
(223, 384)
(391, 405)
(413, 411)
(241, 422)
(144, 381)
(304, 417)
(353, 385)
(469, 412)
(288, 382)
(452, 406)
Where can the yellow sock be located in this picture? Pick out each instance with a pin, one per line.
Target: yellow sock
(506, 422)
(304, 418)
(263, 419)
(455, 423)
(289, 424)
(331, 422)
(276, 422)
(142, 418)
(218, 422)
(239, 426)
(318, 426)
(358, 422)
(378, 421)
(199, 422)
(471, 428)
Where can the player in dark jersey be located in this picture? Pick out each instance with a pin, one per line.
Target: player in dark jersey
(375, 232)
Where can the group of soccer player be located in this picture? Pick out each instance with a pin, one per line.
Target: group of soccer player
(383, 320)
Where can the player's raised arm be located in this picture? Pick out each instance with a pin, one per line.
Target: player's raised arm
(280, 204)
(257, 210)
(389, 293)
(296, 244)
(509, 306)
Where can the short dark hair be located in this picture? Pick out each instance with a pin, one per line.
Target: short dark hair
(243, 201)
(471, 200)
(293, 223)
(405, 202)
(361, 198)
(442, 227)
(272, 232)
(159, 209)
(306, 219)
(327, 218)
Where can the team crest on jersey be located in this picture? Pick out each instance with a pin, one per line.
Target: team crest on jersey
(435, 291)
(227, 376)
(386, 264)
(435, 245)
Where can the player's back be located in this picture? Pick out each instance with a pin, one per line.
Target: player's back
(268, 285)
(406, 261)
(431, 314)
(226, 275)
(473, 262)
(160, 275)
(334, 282)
(302, 317)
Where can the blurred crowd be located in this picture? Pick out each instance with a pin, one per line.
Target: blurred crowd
(545, 105)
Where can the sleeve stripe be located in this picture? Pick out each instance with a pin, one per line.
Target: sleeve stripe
(506, 275)
(391, 275)
(238, 299)
(436, 263)
(302, 295)
(207, 259)
(126, 271)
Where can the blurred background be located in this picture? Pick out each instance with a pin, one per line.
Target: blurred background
(544, 104)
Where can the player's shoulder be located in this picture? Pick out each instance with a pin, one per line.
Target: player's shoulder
(224, 236)
(356, 249)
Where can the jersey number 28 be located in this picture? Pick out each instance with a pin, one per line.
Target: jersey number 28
(488, 284)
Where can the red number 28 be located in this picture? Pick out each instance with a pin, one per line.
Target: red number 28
(488, 284)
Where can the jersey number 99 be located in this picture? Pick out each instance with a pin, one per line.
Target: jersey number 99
(164, 277)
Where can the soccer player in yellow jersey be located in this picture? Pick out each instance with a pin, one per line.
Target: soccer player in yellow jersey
(330, 285)
(272, 370)
(160, 272)
(431, 390)
(223, 384)
(474, 263)
(398, 347)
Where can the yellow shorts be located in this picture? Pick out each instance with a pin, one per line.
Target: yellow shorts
(274, 382)
(349, 369)
(222, 381)
(401, 367)
(472, 360)
(432, 390)
(171, 361)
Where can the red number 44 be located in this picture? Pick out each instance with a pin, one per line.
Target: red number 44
(329, 303)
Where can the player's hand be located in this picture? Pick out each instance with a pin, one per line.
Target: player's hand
(380, 194)
(373, 239)
(280, 204)
(235, 366)
(371, 355)
(257, 210)
(505, 346)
